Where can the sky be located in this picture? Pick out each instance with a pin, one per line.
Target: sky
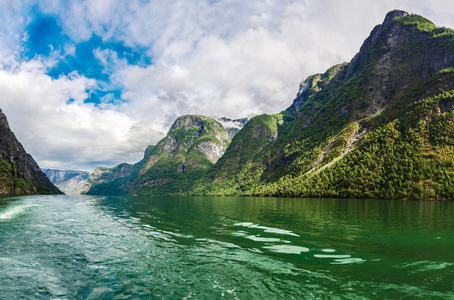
(93, 83)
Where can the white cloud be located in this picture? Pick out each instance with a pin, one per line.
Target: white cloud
(64, 134)
(226, 58)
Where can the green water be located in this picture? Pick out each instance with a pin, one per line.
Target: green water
(83, 247)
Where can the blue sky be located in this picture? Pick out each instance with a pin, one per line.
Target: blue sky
(46, 39)
(92, 83)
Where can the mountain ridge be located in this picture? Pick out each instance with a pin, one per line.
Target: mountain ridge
(348, 127)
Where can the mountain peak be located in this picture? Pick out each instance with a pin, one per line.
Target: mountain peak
(390, 16)
(187, 121)
(393, 14)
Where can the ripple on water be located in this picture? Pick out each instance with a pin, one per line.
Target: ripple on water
(424, 266)
(288, 249)
(274, 241)
(92, 249)
(266, 228)
(262, 239)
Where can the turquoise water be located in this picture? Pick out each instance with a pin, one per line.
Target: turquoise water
(83, 247)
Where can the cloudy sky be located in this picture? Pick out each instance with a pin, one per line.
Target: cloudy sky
(92, 83)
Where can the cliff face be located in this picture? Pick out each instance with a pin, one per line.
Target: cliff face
(316, 83)
(19, 173)
(193, 144)
(68, 181)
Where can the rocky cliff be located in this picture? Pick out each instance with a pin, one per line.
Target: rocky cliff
(68, 181)
(19, 173)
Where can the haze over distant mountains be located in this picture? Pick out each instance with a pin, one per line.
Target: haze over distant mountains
(68, 181)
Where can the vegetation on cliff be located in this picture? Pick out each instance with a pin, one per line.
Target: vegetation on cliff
(194, 143)
(380, 126)
(19, 173)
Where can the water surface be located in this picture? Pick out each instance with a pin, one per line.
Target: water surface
(84, 247)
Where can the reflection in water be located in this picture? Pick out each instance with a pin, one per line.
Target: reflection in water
(205, 247)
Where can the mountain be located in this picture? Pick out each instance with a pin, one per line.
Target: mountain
(380, 126)
(68, 181)
(19, 172)
(193, 144)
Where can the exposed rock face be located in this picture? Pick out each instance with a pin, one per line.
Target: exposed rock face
(246, 148)
(213, 151)
(19, 173)
(105, 176)
(314, 84)
(233, 126)
(396, 56)
(68, 181)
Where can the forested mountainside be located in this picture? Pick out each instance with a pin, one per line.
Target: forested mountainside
(380, 126)
(19, 173)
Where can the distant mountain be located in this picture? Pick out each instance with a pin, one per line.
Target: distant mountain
(193, 145)
(19, 173)
(68, 181)
(380, 126)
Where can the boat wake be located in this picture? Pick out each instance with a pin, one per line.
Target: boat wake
(12, 212)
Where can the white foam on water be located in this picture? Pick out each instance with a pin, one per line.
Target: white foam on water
(96, 267)
(239, 233)
(280, 231)
(11, 212)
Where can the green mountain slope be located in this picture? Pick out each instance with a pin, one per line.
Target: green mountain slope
(380, 126)
(192, 145)
(239, 161)
(377, 127)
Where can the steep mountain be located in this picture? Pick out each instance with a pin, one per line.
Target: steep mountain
(68, 181)
(19, 173)
(240, 159)
(193, 144)
(380, 126)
